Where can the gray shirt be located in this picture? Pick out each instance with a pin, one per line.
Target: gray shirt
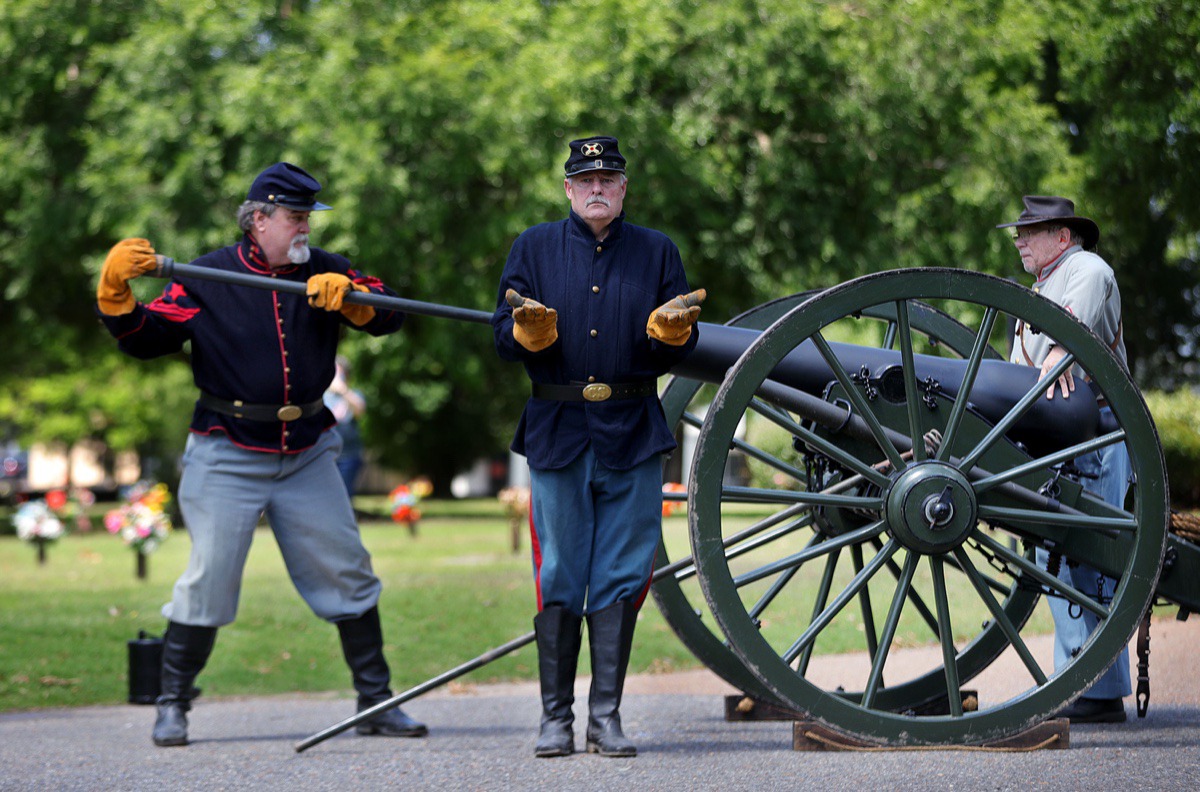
(1085, 285)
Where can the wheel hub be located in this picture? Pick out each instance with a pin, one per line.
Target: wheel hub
(931, 508)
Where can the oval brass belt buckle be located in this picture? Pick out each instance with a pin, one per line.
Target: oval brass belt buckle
(288, 412)
(596, 392)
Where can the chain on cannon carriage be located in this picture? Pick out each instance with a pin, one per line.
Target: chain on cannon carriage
(916, 464)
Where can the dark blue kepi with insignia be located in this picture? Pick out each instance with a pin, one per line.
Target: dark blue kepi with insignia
(594, 154)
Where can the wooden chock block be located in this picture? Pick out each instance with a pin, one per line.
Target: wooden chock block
(809, 735)
(742, 707)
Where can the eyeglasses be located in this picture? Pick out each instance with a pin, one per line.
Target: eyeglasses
(1026, 233)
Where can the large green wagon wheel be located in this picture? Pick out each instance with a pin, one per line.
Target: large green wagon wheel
(684, 609)
(966, 501)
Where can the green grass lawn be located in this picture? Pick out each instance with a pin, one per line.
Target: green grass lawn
(450, 593)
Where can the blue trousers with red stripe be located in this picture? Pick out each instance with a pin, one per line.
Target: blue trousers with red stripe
(595, 532)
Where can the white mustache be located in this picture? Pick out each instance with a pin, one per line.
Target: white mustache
(298, 252)
(597, 199)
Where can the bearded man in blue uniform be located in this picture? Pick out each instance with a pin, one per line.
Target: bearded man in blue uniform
(260, 441)
(596, 309)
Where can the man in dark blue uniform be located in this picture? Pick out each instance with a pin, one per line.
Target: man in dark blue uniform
(260, 441)
(597, 309)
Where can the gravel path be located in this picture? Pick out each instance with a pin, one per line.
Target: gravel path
(482, 738)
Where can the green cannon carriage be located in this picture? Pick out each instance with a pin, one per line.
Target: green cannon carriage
(862, 457)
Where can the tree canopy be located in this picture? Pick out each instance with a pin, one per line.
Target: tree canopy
(784, 146)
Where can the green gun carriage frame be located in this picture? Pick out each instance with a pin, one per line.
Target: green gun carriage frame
(912, 481)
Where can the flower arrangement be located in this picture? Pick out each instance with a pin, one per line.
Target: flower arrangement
(403, 500)
(71, 506)
(37, 524)
(669, 507)
(143, 521)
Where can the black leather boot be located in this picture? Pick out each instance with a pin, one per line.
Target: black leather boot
(362, 646)
(558, 634)
(185, 651)
(610, 637)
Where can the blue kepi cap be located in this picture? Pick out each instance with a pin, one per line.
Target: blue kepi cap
(287, 185)
(594, 154)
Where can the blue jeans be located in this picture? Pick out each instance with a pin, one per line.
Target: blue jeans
(1073, 625)
(595, 532)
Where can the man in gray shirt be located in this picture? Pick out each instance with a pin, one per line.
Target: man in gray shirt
(1055, 246)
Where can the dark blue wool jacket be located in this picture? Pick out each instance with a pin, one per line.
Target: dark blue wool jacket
(259, 346)
(611, 288)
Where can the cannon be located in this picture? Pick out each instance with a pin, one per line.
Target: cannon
(863, 457)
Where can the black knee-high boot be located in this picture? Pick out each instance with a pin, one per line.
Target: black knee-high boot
(558, 632)
(610, 637)
(185, 651)
(362, 646)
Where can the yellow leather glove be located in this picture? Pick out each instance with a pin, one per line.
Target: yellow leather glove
(328, 290)
(128, 259)
(535, 326)
(671, 322)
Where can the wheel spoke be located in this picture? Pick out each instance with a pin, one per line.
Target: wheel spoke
(988, 580)
(864, 599)
(860, 403)
(1010, 630)
(755, 452)
(809, 553)
(760, 495)
(771, 593)
(819, 603)
(755, 543)
(946, 636)
(1104, 525)
(918, 603)
(1048, 461)
(1042, 576)
(823, 446)
(1018, 410)
(889, 336)
(959, 407)
(685, 568)
(909, 367)
(903, 590)
(839, 602)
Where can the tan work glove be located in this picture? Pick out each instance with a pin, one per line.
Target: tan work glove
(535, 326)
(328, 290)
(671, 322)
(128, 259)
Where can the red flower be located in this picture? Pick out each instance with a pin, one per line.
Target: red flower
(56, 499)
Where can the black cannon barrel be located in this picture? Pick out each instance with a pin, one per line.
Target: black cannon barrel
(1049, 424)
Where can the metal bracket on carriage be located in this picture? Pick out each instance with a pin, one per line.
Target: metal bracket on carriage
(1143, 653)
(1051, 490)
(890, 385)
(868, 383)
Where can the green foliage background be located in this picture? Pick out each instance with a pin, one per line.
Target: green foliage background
(783, 145)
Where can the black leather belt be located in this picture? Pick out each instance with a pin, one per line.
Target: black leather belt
(595, 391)
(260, 412)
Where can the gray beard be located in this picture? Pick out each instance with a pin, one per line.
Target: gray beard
(298, 251)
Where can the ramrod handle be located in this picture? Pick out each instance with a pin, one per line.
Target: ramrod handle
(169, 268)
